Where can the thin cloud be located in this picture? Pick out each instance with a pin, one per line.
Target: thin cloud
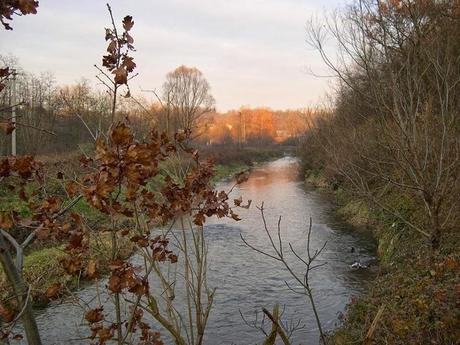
(252, 52)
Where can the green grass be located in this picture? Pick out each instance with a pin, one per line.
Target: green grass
(418, 287)
(42, 267)
(89, 212)
(356, 212)
(317, 180)
(227, 171)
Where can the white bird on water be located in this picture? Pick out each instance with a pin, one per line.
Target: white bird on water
(357, 265)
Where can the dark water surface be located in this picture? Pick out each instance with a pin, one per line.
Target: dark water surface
(245, 280)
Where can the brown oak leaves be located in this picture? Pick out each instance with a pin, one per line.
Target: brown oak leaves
(19, 7)
(118, 61)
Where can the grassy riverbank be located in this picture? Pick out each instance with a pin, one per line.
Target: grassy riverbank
(414, 299)
(42, 267)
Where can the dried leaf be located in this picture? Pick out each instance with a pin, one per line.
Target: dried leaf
(120, 134)
(6, 222)
(53, 290)
(128, 23)
(71, 188)
(91, 269)
(6, 313)
(7, 126)
(121, 75)
(94, 315)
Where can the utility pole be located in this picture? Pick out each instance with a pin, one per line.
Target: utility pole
(13, 113)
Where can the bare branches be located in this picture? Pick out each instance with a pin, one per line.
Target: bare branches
(118, 62)
(259, 323)
(187, 96)
(309, 263)
(394, 122)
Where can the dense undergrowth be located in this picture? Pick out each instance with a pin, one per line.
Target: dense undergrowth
(416, 289)
(390, 149)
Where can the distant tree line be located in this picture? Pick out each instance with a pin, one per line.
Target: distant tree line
(53, 118)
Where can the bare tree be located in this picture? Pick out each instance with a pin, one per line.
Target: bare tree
(186, 94)
(398, 81)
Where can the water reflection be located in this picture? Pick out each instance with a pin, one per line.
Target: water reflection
(248, 281)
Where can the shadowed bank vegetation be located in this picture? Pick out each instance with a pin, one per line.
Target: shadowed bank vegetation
(390, 147)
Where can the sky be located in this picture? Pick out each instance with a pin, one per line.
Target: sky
(252, 52)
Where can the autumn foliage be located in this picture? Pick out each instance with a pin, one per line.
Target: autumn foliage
(8, 8)
(124, 181)
(117, 61)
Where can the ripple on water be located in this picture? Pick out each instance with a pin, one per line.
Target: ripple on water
(247, 281)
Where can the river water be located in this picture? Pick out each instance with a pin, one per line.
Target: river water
(245, 280)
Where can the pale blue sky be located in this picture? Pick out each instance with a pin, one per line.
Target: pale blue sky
(252, 52)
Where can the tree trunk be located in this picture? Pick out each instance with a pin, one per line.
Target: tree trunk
(20, 290)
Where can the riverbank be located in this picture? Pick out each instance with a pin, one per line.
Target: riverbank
(415, 296)
(42, 263)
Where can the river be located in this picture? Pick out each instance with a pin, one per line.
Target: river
(245, 280)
